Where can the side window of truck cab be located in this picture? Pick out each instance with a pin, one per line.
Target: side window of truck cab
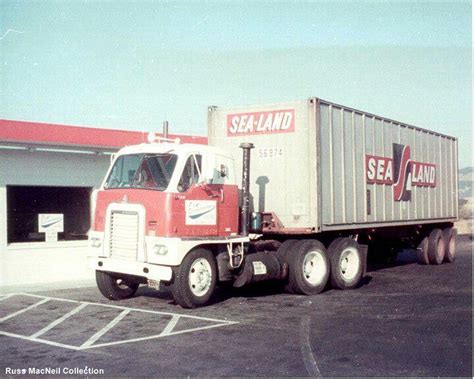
(223, 172)
(191, 172)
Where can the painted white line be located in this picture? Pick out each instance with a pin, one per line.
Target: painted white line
(4, 297)
(158, 335)
(307, 352)
(45, 300)
(40, 340)
(58, 321)
(90, 343)
(131, 309)
(169, 328)
(52, 298)
(104, 330)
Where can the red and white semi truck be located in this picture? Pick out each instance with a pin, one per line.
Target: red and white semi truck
(326, 183)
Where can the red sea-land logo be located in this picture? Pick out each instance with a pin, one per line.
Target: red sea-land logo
(264, 122)
(400, 172)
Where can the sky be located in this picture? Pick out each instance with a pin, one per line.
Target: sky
(133, 64)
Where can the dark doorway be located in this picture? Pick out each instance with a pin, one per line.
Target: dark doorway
(25, 203)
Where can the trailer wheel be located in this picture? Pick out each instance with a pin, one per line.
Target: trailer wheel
(283, 252)
(195, 279)
(346, 263)
(113, 287)
(450, 235)
(436, 247)
(308, 267)
(422, 252)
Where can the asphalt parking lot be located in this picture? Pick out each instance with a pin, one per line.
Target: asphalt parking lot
(406, 320)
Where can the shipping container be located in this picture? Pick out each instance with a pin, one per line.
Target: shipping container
(319, 166)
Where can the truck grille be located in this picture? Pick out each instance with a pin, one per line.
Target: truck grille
(124, 235)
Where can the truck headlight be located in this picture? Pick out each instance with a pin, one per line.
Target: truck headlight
(95, 242)
(160, 250)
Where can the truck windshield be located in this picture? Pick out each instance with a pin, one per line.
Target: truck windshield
(151, 171)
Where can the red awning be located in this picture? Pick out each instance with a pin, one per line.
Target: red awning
(37, 133)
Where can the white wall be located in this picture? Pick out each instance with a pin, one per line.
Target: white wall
(41, 262)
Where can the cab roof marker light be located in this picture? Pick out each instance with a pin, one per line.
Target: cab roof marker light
(7, 147)
(152, 138)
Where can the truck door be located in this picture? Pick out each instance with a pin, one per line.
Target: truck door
(207, 207)
(196, 208)
(224, 187)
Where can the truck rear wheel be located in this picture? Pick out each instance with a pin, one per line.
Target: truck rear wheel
(436, 247)
(195, 279)
(308, 267)
(346, 263)
(113, 287)
(422, 252)
(450, 235)
(283, 252)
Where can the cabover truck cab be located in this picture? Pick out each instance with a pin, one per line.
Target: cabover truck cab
(165, 213)
(328, 186)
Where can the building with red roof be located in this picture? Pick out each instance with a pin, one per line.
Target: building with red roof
(49, 169)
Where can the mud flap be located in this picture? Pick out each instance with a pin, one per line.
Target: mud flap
(363, 254)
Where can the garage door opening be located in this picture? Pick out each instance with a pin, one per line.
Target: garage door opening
(25, 203)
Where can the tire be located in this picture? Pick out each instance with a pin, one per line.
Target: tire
(436, 247)
(308, 267)
(195, 279)
(285, 249)
(113, 287)
(450, 235)
(347, 266)
(422, 252)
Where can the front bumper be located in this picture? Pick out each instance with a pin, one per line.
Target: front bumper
(128, 267)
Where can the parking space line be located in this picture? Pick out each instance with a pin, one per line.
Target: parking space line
(45, 300)
(28, 338)
(104, 330)
(131, 309)
(4, 297)
(91, 342)
(170, 326)
(159, 335)
(58, 321)
(42, 297)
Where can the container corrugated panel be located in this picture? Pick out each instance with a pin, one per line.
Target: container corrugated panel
(376, 171)
(322, 166)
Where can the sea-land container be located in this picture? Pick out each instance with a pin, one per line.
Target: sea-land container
(319, 166)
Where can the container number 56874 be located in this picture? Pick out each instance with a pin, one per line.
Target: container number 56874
(270, 152)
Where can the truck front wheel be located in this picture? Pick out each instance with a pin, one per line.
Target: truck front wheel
(113, 287)
(195, 279)
(308, 267)
(346, 263)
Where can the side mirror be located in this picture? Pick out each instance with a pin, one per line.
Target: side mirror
(223, 171)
